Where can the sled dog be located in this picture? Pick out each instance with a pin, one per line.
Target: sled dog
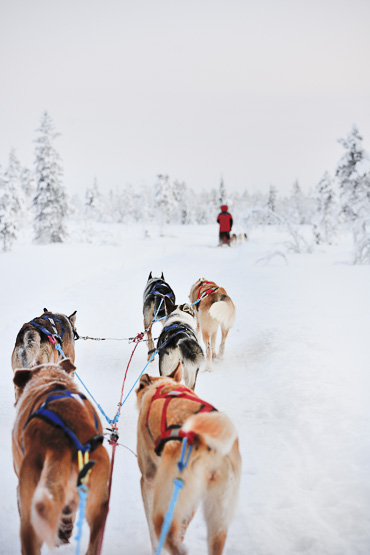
(156, 291)
(178, 343)
(36, 341)
(214, 308)
(54, 420)
(169, 412)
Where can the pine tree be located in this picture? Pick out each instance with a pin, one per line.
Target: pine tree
(353, 175)
(12, 182)
(271, 205)
(164, 200)
(222, 193)
(50, 201)
(93, 202)
(8, 215)
(325, 217)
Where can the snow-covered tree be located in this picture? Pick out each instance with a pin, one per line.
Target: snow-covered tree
(271, 205)
(222, 193)
(326, 214)
(50, 201)
(353, 176)
(164, 200)
(93, 202)
(12, 183)
(8, 215)
(28, 185)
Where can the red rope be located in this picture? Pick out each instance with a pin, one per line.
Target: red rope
(114, 437)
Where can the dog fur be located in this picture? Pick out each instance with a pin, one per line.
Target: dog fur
(180, 344)
(214, 310)
(47, 469)
(211, 477)
(151, 304)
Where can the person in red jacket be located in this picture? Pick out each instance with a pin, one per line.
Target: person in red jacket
(225, 220)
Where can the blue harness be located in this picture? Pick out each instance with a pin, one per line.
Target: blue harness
(51, 320)
(169, 332)
(53, 419)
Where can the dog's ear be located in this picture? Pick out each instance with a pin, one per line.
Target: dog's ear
(169, 305)
(67, 365)
(162, 276)
(72, 318)
(187, 308)
(46, 310)
(22, 376)
(176, 375)
(145, 381)
(150, 276)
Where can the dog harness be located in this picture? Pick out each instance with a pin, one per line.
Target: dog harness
(162, 290)
(205, 293)
(51, 336)
(169, 332)
(46, 414)
(174, 432)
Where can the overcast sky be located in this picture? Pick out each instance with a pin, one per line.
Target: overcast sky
(256, 91)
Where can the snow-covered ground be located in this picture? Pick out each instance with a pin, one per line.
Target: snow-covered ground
(295, 378)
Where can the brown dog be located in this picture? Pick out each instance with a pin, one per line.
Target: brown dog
(170, 412)
(214, 308)
(45, 458)
(36, 341)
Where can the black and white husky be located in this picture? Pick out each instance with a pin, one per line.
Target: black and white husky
(178, 342)
(155, 293)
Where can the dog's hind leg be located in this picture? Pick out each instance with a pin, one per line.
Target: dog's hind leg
(207, 342)
(224, 333)
(29, 477)
(148, 320)
(97, 501)
(213, 344)
(147, 493)
(220, 502)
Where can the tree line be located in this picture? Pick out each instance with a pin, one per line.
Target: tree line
(38, 198)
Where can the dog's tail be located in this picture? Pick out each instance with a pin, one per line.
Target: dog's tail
(214, 429)
(192, 359)
(52, 497)
(223, 310)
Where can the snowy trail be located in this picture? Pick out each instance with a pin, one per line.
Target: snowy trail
(294, 380)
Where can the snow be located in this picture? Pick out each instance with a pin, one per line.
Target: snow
(294, 380)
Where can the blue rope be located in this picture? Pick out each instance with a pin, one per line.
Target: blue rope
(82, 491)
(59, 348)
(169, 515)
(178, 484)
(183, 463)
(155, 319)
(97, 404)
(115, 419)
(139, 376)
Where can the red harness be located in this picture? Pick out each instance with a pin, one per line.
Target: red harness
(174, 432)
(207, 292)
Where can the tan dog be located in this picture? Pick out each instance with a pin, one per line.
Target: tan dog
(214, 308)
(170, 412)
(32, 345)
(45, 458)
